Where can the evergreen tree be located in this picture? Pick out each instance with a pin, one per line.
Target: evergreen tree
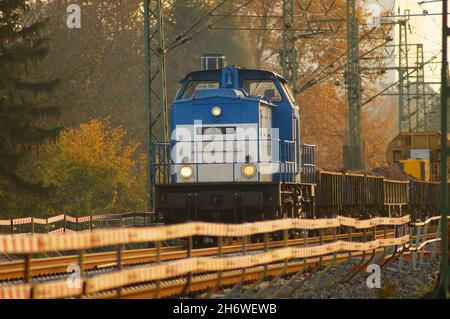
(26, 115)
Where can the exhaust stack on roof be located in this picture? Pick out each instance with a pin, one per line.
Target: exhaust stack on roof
(213, 61)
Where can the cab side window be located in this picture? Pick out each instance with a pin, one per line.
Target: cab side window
(194, 86)
(264, 88)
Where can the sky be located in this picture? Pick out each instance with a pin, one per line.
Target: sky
(424, 28)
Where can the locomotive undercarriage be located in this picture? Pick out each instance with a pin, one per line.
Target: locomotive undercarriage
(233, 202)
(254, 201)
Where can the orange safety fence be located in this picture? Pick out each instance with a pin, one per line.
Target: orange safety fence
(61, 288)
(12, 224)
(77, 241)
(429, 220)
(148, 273)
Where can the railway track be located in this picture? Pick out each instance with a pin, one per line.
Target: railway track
(200, 283)
(184, 271)
(213, 282)
(57, 265)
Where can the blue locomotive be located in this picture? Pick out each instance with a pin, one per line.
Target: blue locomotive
(234, 153)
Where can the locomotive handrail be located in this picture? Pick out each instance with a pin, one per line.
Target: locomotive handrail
(286, 162)
(286, 153)
(196, 165)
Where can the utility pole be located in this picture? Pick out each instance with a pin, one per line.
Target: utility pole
(354, 151)
(408, 79)
(155, 84)
(288, 54)
(421, 108)
(404, 84)
(442, 288)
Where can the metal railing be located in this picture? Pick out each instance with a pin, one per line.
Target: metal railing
(65, 223)
(308, 163)
(163, 164)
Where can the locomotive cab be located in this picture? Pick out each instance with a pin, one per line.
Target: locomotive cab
(228, 120)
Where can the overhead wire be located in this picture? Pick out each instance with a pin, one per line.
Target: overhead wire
(335, 70)
(187, 38)
(196, 23)
(393, 84)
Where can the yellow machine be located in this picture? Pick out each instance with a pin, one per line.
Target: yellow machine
(419, 168)
(418, 154)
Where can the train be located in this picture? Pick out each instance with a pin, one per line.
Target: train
(235, 155)
(366, 196)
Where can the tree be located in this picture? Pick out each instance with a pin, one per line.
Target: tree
(328, 133)
(380, 127)
(320, 41)
(26, 114)
(101, 65)
(182, 14)
(92, 169)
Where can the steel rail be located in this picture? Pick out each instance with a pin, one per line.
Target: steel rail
(202, 282)
(54, 265)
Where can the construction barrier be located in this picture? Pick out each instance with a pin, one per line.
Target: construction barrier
(57, 231)
(21, 221)
(429, 220)
(172, 269)
(61, 289)
(16, 292)
(77, 241)
(323, 223)
(423, 244)
(78, 221)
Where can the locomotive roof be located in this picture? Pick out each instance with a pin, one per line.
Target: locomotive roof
(215, 74)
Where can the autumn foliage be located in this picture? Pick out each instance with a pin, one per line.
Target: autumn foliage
(95, 166)
(92, 168)
(324, 105)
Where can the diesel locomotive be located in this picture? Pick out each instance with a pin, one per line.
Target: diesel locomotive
(235, 155)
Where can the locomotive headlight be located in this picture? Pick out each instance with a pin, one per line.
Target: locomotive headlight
(186, 172)
(216, 111)
(249, 170)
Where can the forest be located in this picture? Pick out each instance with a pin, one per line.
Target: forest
(72, 102)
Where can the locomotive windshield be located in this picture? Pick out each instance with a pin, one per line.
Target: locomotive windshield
(264, 88)
(194, 86)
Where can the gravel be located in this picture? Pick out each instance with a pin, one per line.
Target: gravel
(394, 284)
(392, 173)
(327, 283)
